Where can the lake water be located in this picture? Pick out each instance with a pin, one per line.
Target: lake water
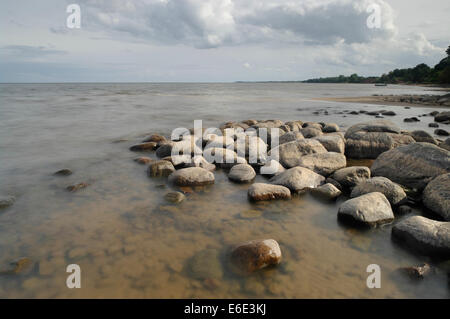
(131, 243)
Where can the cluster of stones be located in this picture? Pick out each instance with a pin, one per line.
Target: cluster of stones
(313, 158)
(441, 100)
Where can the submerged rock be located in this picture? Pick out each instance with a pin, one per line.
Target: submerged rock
(298, 179)
(160, 168)
(261, 191)
(436, 196)
(323, 163)
(205, 265)
(77, 187)
(254, 255)
(350, 176)
(428, 236)
(242, 173)
(143, 160)
(327, 191)
(6, 201)
(417, 272)
(63, 172)
(290, 153)
(175, 197)
(16, 267)
(370, 209)
(393, 192)
(148, 146)
(413, 165)
(156, 138)
(192, 176)
(445, 145)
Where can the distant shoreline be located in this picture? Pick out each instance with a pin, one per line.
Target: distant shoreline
(395, 100)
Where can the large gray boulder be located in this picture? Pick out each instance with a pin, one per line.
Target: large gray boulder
(298, 179)
(393, 192)
(290, 153)
(242, 173)
(370, 209)
(192, 176)
(323, 163)
(261, 191)
(350, 176)
(436, 196)
(368, 140)
(309, 132)
(427, 236)
(413, 165)
(332, 142)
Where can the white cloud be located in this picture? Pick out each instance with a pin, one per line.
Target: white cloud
(215, 23)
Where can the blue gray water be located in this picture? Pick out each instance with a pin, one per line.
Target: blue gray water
(129, 242)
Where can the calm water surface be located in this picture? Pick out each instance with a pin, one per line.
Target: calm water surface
(131, 243)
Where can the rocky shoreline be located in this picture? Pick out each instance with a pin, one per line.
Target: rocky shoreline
(402, 100)
(410, 169)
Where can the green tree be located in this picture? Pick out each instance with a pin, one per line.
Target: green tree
(448, 51)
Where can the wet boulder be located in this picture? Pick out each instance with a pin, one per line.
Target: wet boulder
(370, 139)
(445, 144)
(441, 132)
(156, 138)
(442, 117)
(427, 236)
(290, 153)
(370, 210)
(393, 192)
(327, 191)
(262, 191)
(350, 176)
(148, 146)
(309, 132)
(160, 168)
(192, 176)
(63, 172)
(242, 173)
(323, 163)
(330, 128)
(422, 136)
(272, 168)
(298, 179)
(143, 160)
(413, 165)
(333, 143)
(436, 196)
(254, 255)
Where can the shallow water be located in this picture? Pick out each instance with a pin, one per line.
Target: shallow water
(131, 243)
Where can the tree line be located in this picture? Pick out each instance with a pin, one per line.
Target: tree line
(421, 73)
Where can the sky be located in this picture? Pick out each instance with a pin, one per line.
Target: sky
(217, 40)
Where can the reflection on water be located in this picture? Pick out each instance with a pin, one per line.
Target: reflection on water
(130, 242)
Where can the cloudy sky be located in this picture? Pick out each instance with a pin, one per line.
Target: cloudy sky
(216, 40)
